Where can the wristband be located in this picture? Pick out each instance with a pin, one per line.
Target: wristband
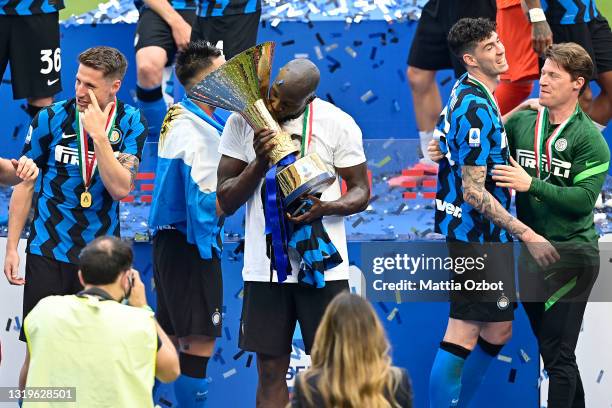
(536, 15)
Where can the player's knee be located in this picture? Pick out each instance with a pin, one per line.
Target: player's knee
(419, 79)
(500, 334)
(272, 371)
(149, 74)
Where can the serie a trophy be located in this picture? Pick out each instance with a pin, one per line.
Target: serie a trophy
(241, 85)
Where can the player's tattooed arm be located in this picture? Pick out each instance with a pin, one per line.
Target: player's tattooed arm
(131, 163)
(475, 194)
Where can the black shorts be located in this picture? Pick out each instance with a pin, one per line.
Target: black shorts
(429, 48)
(271, 310)
(475, 300)
(32, 45)
(153, 31)
(47, 277)
(595, 37)
(238, 32)
(189, 288)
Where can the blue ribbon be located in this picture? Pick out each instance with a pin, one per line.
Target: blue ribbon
(215, 121)
(275, 220)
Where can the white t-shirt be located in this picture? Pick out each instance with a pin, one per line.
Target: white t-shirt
(336, 138)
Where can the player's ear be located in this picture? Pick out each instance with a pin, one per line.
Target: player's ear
(115, 86)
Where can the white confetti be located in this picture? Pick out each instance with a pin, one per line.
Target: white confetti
(229, 373)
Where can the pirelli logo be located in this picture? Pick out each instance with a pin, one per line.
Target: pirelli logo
(526, 158)
(69, 155)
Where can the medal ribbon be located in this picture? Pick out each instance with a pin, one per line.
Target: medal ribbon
(540, 131)
(88, 167)
(307, 126)
(276, 224)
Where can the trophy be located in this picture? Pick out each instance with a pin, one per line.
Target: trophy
(241, 85)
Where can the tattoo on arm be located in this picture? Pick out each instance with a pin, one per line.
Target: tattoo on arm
(475, 194)
(130, 162)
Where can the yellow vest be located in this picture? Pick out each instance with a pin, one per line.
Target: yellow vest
(103, 348)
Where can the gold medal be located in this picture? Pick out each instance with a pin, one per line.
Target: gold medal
(85, 199)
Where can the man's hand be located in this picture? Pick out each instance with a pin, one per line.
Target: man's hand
(138, 296)
(94, 119)
(513, 176)
(540, 249)
(263, 145)
(25, 168)
(181, 32)
(531, 103)
(433, 151)
(11, 267)
(541, 37)
(316, 211)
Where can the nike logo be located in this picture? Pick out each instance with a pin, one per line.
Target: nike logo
(590, 163)
(65, 136)
(50, 82)
(201, 394)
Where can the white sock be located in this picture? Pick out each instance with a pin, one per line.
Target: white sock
(599, 126)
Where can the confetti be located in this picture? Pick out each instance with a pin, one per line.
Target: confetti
(359, 221)
(445, 81)
(388, 143)
(320, 39)
(249, 360)
(391, 315)
(512, 376)
(345, 86)
(350, 51)
(373, 53)
(8, 324)
(367, 96)
(505, 359)
(288, 42)
(164, 401)
(600, 376)
(300, 55)
(275, 22)
(227, 333)
(524, 356)
(331, 47)
(396, 105)
(383, 307)
(383, 162)
(398, 297)
(238, 355)
(218, 357)
(318, 52)
(229, 373)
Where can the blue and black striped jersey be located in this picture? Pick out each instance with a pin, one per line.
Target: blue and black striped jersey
(61, 227)
(471, 134)
(29, 7)
(217, 8)
(569, 11)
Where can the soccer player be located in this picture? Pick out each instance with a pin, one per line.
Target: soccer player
(429, 53)
(270, 309)
(30, 41)
(556, 194)
(471, 210)
(188, 226)
(164, 26)
(229, 24)
(580, 22)
(88, 149)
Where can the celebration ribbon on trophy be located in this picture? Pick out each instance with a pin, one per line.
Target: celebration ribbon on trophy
(276, 224)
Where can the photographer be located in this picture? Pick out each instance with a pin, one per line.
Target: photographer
(108, 351)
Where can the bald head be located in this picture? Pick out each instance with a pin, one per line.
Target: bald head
(293, 89)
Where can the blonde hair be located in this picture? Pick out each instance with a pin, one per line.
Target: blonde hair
(351, 365)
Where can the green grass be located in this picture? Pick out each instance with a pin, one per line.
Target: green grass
(605, 6)
(78, 7)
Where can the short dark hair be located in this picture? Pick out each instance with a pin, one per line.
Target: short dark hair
(466, 33)
(103, 259)
(193, 59)
(574, 59)
(109, 60)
